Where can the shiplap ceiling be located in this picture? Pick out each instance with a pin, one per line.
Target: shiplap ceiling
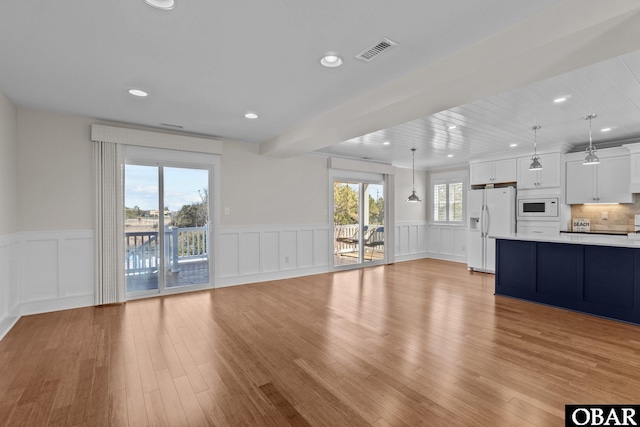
(610, 89)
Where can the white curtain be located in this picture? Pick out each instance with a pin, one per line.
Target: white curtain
(109, 250)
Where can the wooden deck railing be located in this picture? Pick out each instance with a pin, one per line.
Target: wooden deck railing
(181, 244)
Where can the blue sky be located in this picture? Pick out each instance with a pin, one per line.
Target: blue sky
(180, 186)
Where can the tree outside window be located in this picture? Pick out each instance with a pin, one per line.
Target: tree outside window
(448, 202)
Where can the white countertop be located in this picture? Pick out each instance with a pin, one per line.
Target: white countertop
(576, 239)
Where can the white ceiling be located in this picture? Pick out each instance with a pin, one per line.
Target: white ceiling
(206, 63)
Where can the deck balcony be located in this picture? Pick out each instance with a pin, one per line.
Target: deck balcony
(186, 258)
(346, 243)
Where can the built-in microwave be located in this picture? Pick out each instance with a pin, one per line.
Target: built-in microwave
(537, 208)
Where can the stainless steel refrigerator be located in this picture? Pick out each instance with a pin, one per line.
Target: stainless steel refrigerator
(491, 212)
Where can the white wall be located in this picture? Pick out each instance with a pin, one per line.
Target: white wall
(263, 190)
(8, 166)
(8, 212)
(411, 212)
(411, 218)
(447, 241)
(55, 171)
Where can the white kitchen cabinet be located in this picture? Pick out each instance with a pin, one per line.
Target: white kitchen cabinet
(548, 177)
(607, 182)
(614, 177)
(494, 172)
(635, 167)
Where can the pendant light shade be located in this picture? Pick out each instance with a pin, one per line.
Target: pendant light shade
(535, 159)
(591, 158)
(413, 197)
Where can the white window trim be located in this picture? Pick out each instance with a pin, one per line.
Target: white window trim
(449, 178)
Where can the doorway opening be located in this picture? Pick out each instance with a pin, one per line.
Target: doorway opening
(358, 223)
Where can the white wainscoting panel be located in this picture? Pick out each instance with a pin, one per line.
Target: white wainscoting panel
(271, 252)
(229, 251)
(9, 308)
(448, 242)
(411, 240)
(249, 253)
(56, 270)
(44, 271)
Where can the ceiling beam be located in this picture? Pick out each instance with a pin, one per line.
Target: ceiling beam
(570, 35)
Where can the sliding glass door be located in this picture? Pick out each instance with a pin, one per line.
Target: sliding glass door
(167, 238)
(358, 219)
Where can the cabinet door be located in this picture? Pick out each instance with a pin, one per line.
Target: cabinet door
(614, 177)
(527, 178)
(549, 176)
(580, 183)
(481, 173)
(505, 170)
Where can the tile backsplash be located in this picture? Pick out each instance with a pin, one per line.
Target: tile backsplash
(620, 217)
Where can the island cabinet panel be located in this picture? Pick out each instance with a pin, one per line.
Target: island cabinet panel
(600, 280)
(609, 278)
(520, 276)
(559, 270)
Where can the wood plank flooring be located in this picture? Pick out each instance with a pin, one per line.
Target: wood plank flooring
(416, 343)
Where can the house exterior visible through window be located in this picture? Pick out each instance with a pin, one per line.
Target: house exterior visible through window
(448, 201)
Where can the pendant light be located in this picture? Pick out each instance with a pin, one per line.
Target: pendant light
(414, 197)
(535, 160)
(591, 158)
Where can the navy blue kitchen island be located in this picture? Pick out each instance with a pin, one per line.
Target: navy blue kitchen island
(595, 275)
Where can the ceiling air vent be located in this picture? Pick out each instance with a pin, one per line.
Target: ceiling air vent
(373, 51)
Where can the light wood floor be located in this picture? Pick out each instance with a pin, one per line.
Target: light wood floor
(416, 343)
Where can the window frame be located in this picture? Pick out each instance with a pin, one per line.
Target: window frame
(448, 182)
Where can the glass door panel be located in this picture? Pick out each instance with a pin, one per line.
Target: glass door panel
(142, 245)
(186, 230)
(346, 220)
(374, 222)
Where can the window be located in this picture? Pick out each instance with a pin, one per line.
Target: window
(448, 201)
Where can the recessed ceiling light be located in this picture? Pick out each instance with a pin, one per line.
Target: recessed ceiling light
(331, 60)
(386, 143)
(251, 115)
(452, 127)
(605, 129)
(559, 100)
(513, 145)
(449, 155)
(161, 4)
(138, 92)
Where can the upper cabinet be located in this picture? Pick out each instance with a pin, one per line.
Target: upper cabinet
(548, 177)
(607, 182)
(494, 172)
(635, 166)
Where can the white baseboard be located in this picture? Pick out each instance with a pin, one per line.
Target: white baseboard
(56, 304)
(224, 282)
(453, 258)
(6, 324)
(411, 257)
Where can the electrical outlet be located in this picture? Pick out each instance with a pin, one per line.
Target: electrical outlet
(226, 211)
(605, 215)
(286, 259)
